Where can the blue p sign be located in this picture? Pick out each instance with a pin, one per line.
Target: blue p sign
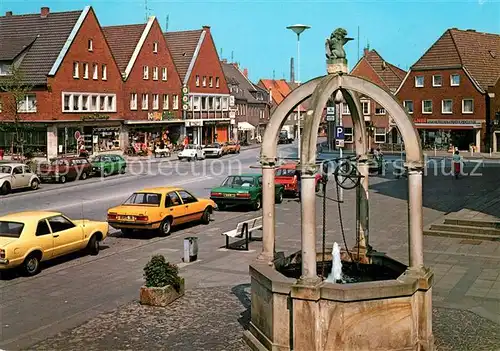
(339, 132)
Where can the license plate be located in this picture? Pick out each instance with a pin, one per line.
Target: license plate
(229, 195)
(126, 218)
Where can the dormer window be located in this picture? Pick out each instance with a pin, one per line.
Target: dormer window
(90, 45)
(204, 81)
(5, 69)
(217, 82)
(155, 47)
(197, 81)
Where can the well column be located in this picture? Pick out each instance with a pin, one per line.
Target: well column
(268, 197)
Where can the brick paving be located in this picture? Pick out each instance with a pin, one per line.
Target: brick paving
(212, 314)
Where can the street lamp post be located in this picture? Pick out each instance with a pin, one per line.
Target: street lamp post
(298, 29)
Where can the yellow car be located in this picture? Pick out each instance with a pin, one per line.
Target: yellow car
(27, 238)
(159, 209)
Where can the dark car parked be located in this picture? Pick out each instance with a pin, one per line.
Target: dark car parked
(65, 168)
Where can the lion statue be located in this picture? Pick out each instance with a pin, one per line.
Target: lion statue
(335, 44)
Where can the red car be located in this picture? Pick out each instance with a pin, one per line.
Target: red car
(64, 169)
(286, 175)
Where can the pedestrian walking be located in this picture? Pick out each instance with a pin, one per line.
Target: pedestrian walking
(457, 163)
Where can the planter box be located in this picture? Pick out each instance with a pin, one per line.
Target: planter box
(161, 296)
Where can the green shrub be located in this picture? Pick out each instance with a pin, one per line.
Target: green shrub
(159, 273)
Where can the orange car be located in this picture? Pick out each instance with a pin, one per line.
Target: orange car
(233, 147)
(287, 176)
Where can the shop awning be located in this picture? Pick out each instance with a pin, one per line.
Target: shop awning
(245, 126)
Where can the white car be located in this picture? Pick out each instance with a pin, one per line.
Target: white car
(192, 152)
(16, 176)
(214, 150)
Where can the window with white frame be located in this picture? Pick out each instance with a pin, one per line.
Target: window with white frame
(104, 72)
(427, 106)
(217, 82)
(204, 81)
(155, 73)
(156, 101)
(345, 109)
(380, 135)
(145, 72)
(211, 82)
(348, 136)
(225, 103)
(164, 73)
(196, 103)
(175, 102)
(437, 80)
(165, 101)
(447, 106)
(467, 106)
(455, 80)
(210, 103)
(27, 104)
(85, 71)
(408, 105)
(366, 107)
(155, 47)
(95, 73)
(90, 45)
(419, 81)
(90, 102)
(197, 81)
(144, 101)
(217, 103)
(76, 70)
(379, 110)
(133, 101)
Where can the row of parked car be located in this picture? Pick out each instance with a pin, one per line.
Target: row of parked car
(15, 176)
(195, 152)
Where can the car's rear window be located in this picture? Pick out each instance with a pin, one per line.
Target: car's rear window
(11, 229)
(285, 172)
(149, 199)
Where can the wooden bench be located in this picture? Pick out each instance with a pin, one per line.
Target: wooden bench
(243, 230)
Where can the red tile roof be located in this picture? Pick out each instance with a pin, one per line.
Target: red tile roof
(122, 41)
(182, 46)
(478, 53)
(280, 89)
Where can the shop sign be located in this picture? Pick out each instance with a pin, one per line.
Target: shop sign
(449, 122)
(155, 116)
(194, 123)
(95, 117)
(210, 122)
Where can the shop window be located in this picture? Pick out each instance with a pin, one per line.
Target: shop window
(365, 105)
(345, 109)
(447, 106)
(204, 81)
(155, 73)
(348, 134)
(380, 135)
(455, 80)
(95, 74)
(175, 102)
(104, 72)
(437, 81)
(379, 111)
(408, 105)
(133, 101)
(165, 101)
(145, 101)
(85, 71)
(156, 102)
(90, 45)
(427, 106)
(104, 139)
(210, 82)
(164, 73)
(155, 47)
(217, 82)
(419, 81)
(145, 72)
(196, 103)
(76, 70)
(467, 106)
(197, 81)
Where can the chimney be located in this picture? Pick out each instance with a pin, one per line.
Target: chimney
(366, 52)
(245, 73)
(8, 13)
(44, 12)
(207, 28)
(292, 71)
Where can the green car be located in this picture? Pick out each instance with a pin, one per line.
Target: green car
(106, 165)
(243, 189)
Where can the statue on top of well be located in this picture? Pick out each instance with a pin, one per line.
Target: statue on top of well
(335, 44)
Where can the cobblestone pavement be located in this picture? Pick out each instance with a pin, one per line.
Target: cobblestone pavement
(214, 319)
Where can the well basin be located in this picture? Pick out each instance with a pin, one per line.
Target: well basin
(389, 310)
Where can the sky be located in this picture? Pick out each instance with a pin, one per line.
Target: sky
(253, 33)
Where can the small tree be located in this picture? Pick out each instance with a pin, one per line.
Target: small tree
(15, 90)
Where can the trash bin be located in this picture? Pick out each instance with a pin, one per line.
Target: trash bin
(190, 249)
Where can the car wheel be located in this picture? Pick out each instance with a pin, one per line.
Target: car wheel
(279, 197)
(83, 176)
(195, 158)
(237, 151)
(205, 218)
(31, 265)
(63, 179)
(5, 188)
(93, 246)
(180, 158)
(122, 170)
(166, 227)
(34, 184)
(257, 204)
(221, 207)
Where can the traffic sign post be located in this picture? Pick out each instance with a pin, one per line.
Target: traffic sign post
(330, 119)
(339, 133)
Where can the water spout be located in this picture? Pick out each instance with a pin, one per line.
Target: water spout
(336, 274)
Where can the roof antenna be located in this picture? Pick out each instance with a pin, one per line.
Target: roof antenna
(358, 43)
(232, 56)
(274, 74)
(166, 23)
(220, 53)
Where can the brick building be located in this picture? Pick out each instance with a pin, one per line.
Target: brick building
(252, 105)
(75, 83)
(151, 85)
(449, 91)
(380, 127)
(205, 99)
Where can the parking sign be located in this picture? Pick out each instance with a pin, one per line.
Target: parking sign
(339, 132)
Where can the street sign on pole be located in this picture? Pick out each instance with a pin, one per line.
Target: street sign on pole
(340, 143)
(330, 111)
(330, 118)
(339, 132)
